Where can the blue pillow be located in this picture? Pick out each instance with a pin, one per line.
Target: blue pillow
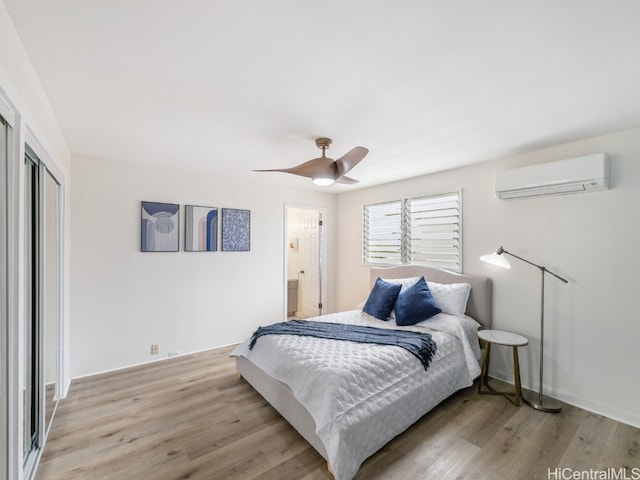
(415, 304)
(382, 299)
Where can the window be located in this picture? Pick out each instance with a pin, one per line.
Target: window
(383, 233)
(418, 231)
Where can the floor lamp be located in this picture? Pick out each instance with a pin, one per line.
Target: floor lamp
(533, 399)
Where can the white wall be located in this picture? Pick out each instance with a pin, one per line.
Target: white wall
(592, 328)
(124, 300)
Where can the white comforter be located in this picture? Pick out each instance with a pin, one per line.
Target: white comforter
(362, 395)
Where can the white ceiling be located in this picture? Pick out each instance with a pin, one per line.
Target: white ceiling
(426, 85)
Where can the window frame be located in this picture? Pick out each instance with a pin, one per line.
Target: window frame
(451, 260)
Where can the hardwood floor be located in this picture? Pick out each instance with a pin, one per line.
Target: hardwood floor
(192, 418)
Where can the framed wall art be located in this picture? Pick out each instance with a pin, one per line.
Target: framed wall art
(236, 230)
(159, 227)
(201, 229)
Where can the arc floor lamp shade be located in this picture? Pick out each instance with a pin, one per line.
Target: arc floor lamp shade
(536, 400)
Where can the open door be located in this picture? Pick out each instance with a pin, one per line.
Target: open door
(304, 262)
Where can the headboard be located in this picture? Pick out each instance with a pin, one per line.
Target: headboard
(479, 303)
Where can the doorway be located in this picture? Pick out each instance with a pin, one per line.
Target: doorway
(304, 261)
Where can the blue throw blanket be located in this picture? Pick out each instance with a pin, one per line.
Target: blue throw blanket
(419, 344)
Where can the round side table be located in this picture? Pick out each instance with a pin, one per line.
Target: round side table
(509, 339)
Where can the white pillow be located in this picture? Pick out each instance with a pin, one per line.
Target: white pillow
(405, 282)
(451, 297)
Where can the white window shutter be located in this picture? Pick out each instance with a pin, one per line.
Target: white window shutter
(382, 242)
(420, 231)
(433, 231)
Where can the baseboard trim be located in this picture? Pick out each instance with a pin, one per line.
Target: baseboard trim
(155, 360)
(604, 410)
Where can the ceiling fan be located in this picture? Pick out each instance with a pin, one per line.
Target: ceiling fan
(324, 170)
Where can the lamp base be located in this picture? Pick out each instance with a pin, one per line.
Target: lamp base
(547, 404)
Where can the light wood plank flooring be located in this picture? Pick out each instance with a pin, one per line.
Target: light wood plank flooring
(192, 418)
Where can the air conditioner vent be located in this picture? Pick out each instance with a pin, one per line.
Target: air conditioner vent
(573, 175)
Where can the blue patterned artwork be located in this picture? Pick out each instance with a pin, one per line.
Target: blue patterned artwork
(236, 228)
(201, 229)
(160, 225)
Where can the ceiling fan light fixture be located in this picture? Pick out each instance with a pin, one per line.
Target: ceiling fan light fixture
(323, 181)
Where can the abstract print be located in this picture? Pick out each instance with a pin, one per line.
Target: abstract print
(201, 229)
(236, 227)
(160, 225)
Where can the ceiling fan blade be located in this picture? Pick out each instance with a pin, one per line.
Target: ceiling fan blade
(324, 170)
(321, 166)
(346, 180)
(350, 160)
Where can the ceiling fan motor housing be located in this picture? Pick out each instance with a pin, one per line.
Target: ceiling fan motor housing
(323, 142)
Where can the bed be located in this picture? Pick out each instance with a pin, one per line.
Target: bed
(350, 399)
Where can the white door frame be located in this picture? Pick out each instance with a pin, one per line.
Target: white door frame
(322, 244)
(9, 423)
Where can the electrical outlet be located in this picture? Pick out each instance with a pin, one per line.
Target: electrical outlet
(154, 349)
(174, 353)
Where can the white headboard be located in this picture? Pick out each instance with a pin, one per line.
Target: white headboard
(479, 304)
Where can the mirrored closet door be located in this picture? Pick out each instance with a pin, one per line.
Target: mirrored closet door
(42, 305)
(52, 293)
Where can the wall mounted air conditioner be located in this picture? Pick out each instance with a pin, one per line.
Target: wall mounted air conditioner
(574, 175)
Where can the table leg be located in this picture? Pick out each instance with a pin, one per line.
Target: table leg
(484, 373)
(516, 374)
